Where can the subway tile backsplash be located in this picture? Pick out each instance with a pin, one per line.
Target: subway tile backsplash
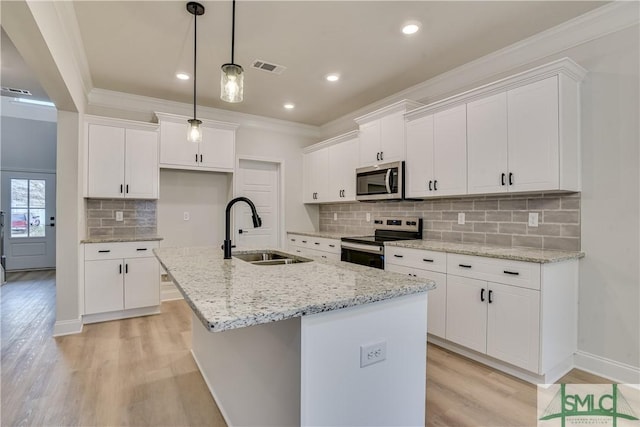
(495, 220)
(139, 218)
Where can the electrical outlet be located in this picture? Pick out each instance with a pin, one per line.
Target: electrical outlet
(461, 218)
(373, 353)
(186, 216)
(533, 219)
(335, 216)
(119, 216)
(368, 217)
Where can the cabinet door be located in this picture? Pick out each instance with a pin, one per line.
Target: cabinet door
(342, 171)
(369, 143)
(103, 289)
(141, 164)
(175, 150)
(106, 161)
(419, 163)
(466, 312)
(315, 185)
(487, 145)
(141, 283)
(533, 136)
(392, 144)
(217, 148)
(450, 151)
(513, 325)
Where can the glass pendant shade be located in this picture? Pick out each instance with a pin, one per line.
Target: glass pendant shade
(232, 83)
(194, 133)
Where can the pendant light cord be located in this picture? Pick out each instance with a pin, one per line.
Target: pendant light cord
(233, 30)
(195, 54)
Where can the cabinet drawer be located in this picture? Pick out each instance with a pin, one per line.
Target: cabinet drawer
(316, 243)
(416, 258)
(516, 273)
(98, 251)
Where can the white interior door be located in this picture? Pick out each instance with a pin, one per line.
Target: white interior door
(260, 182)
(29, 232)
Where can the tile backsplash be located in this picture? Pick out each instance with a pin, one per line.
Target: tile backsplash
(139, 217)
(498, 220)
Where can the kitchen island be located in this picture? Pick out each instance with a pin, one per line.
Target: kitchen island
(309, 343)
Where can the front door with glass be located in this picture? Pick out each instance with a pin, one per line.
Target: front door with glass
(29, 203)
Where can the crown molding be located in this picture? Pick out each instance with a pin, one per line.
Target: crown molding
(331, 141)
(600, 22)
(403, 105)
(176, 118)
(129, 124)
(144, 104)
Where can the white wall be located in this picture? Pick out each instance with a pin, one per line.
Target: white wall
(28, 145)
(204, 195)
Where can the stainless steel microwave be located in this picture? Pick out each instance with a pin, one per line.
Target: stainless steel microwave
(380, 182)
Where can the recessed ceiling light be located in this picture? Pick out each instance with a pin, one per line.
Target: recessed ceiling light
(333, 77)
(411, 28)
(289, 106)
(183, 76)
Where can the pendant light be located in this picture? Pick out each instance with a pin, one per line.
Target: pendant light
(232, 79)
(194, 133)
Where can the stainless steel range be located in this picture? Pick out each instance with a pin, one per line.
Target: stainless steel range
(369, 250)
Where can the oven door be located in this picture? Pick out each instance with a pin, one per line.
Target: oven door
(367, 255)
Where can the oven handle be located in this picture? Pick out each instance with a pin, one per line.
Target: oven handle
(362, 248)
(387, 180)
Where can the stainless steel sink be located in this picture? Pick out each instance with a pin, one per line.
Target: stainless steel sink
(269, 257)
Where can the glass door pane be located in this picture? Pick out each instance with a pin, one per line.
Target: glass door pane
(28, 208)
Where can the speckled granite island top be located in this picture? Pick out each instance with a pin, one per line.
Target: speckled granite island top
(229, 294)
(118, 239)
(517, 254)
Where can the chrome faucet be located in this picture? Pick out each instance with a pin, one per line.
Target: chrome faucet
(257, 222)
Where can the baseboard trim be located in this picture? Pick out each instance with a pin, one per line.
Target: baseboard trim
(607, 368)
(117, 315)
(67, 327)
(170, 294)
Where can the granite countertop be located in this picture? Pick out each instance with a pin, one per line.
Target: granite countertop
(517, 254)
(229, 294)
(118, 239)
(324, 234)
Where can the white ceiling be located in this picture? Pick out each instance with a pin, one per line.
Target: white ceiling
(137, 47)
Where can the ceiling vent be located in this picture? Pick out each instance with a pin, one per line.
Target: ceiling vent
(268, 67)
(14, 91)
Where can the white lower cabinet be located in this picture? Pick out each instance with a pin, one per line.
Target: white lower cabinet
(517, 316)
(120, 276)
(427, 265)
(322, 247)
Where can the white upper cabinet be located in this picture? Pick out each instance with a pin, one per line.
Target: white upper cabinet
(532, 113)
(121, 159)
(329, 170)
(437, 154)
(487, 144)
(382, 134)
(215, 153)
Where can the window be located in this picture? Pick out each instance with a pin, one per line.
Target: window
(27, 208)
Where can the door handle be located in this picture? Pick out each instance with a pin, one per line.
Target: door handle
(490, 294)
(435, 185)
(510, 178)
(378, 156)
(387, 181)
(482, 295)
(382, 155)
(502, 180)
(242, 231)
(430, 189)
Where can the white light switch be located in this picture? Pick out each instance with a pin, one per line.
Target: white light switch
(533, 219)
(186, 216)
(119, 216)
(461, 218)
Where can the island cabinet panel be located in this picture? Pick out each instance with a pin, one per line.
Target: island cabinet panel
(216, 152)
(336, 389)
(121, 159)
(118, 278)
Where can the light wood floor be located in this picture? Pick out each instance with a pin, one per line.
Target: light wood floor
(140, 372)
